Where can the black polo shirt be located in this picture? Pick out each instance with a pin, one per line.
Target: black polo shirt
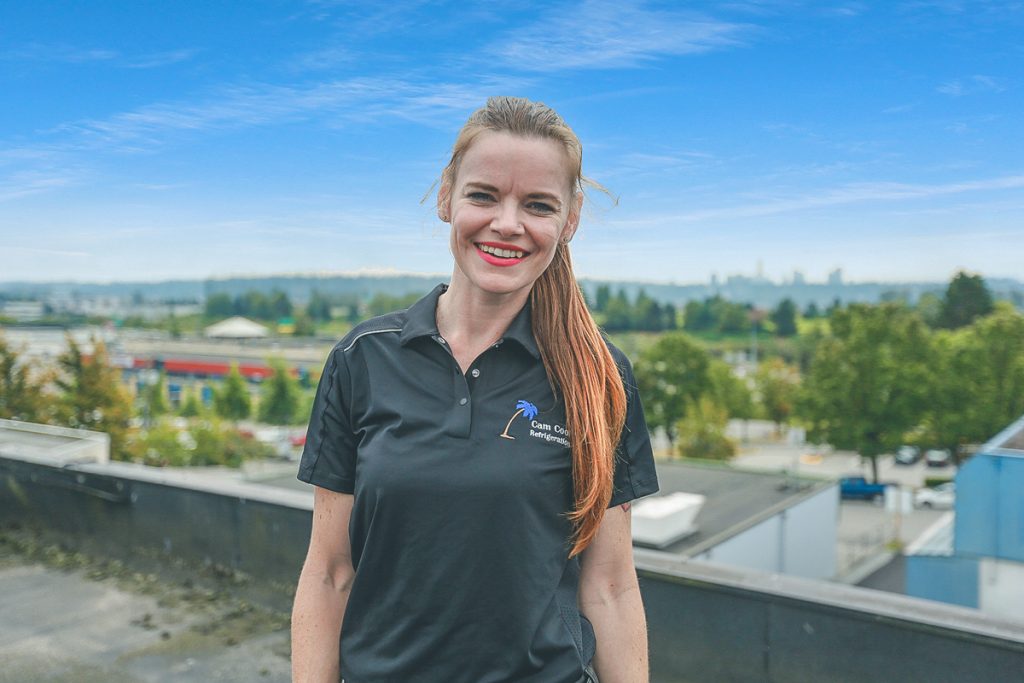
(461, 485)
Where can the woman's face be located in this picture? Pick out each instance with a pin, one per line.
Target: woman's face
(510, 203)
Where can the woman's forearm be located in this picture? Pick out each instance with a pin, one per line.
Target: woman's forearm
(316, 627)
(621, 631)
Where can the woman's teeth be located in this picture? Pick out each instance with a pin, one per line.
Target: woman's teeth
(502, 253)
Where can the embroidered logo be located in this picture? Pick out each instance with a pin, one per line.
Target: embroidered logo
(524, 408)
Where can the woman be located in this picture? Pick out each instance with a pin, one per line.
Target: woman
(474, 456)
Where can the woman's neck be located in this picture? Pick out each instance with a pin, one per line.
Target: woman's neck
(471, 320)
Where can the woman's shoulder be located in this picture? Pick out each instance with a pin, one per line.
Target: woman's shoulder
(388, 324)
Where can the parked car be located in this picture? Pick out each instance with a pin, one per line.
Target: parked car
(938, 457)
(941, 497)
(860, 488)
(907, 455)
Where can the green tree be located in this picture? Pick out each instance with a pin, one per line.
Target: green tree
(701, 433)
(730, 392)
(219, 305)
(91, 395)
(784, 317)
(967, 297)
(319, 307)
(191, 406)
(280, 397)
(978, 380)
(280, 305)
(154, 398)
(22, 393)
(812, 311)
(618, 314)
(602, 297)
(929, 306)
(232, 400)
(672, 373)
(868, 382)
(778, 385)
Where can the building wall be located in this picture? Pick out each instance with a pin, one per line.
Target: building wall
(799, 541)
(946, 578)
(1001, 587)
(990, 507)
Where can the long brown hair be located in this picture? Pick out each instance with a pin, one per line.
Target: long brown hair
(576, 358)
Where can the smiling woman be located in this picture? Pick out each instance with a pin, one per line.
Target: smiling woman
(452, 541)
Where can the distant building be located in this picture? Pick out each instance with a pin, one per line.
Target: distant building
(766, 522)
(974, 556)
(835, 277)
(22, 311)
(798, 278)
(236, 327)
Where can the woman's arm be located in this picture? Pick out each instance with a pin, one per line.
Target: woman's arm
(610, 598)
(322, 593)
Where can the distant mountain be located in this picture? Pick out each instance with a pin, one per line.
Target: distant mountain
(758, 291)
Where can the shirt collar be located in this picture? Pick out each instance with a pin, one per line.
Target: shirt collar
(421, 321)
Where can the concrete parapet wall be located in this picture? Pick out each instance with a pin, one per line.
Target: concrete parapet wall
(123, 512)
(705, 623)
(715, 623)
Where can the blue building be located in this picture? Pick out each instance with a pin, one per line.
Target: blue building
(974, 556)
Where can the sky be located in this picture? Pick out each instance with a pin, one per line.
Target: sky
(150, 141)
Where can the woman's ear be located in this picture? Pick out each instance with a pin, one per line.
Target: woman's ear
(573, 220)
(444, 201)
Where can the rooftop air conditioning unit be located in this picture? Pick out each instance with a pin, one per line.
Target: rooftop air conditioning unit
(661, 521)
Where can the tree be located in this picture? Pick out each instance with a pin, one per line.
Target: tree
(812, 311)
(730, 392)
(22, 393)
(602, 297)
(777, 386)
(784, 317)
(219, 306)
(232, 400)
(978, 380)
(868, 382)
(92, 396)
(191, 406)
(279, 400)
(319, 307)
(672, 373)
(618, 314)
(967, 297)
(154, 398)
(701, 434)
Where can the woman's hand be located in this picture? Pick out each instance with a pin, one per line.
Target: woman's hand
(609, 597)
(322, 593)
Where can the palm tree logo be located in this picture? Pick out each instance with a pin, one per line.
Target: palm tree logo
(524, 408)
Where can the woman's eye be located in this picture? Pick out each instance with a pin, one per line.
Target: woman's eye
(479, 196)
(541, 207)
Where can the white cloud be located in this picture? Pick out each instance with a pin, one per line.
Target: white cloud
(969, 86)
(599, 34)
(847, 194)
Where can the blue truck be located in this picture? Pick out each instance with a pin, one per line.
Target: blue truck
(860, 488)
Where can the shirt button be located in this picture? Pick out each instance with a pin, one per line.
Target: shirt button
(476, 372)
(463, 401)
(441, 341)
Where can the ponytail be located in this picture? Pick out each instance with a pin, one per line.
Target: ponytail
(582, 370)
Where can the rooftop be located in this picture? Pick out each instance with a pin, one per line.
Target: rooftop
(736, 499)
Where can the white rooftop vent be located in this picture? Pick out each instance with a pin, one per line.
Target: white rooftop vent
(661, 521)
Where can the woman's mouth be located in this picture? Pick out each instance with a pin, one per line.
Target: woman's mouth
(500, 256)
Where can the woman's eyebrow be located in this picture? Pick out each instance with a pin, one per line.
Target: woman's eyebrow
(480, 186)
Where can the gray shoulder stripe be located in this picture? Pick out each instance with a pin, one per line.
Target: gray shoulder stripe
(396, 329)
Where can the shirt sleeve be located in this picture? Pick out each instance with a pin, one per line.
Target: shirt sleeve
(635, 475)
(329, 456)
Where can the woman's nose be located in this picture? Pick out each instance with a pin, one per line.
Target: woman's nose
(506, 222)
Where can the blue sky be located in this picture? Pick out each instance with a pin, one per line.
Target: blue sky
(145, 141)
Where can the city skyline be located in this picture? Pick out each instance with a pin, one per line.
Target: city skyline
(195, 141)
